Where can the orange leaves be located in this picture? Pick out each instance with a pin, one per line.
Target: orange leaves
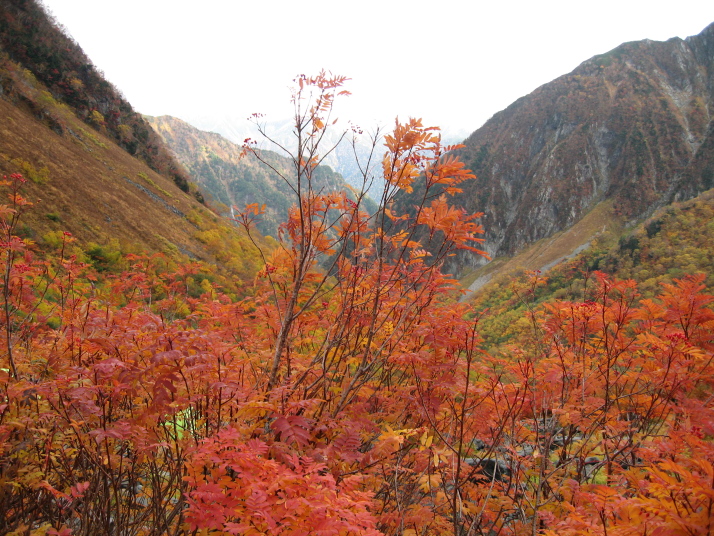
(325, 80)
(601, 423)
(398, 173)
(402, 240)
(456, 226)
(254, 209)
(669, 492)
(247, 217)
(430, 482)
(6, 212)
(293, 429)
(414, 151)
(411, 138)
(282, 410)
(349, 385)
(395, 438)
(237, 488)
(394, 217)
(602, 392)
(313, 100)
(449, 171)
(410, 149)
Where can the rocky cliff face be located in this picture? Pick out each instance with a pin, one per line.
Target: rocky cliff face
(634, 125)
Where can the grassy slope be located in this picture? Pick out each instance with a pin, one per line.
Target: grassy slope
(101, 194)
(35, 43)
(87, 189)
(676, 241)
(600, 223)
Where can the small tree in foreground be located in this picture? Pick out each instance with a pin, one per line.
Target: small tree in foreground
(351, 317)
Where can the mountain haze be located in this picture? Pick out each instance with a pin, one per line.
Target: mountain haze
(235, 178)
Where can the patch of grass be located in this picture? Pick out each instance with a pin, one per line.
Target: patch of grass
(47, 99)
(54, 239)
(38, 176)
(151, 183)
(169, 248)
(94, 139)
(547, 252)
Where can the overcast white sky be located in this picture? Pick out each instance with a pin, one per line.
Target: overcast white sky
(453, 62)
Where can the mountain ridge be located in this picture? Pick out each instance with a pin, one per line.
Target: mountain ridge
(349, 157)
(234, 177)
(633, 124)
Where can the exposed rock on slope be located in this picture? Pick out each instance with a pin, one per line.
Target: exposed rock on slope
(633, 125)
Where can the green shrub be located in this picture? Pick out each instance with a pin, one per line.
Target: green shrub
(38, 176)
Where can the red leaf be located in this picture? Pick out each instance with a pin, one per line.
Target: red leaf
(293, 428)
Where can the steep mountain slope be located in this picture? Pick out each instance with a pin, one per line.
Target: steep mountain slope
(31, 39)
(233, 178)
(84, 180)
(633, 125)
(673, 243)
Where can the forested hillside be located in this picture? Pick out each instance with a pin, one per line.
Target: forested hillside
(675, 242)
(350, 157)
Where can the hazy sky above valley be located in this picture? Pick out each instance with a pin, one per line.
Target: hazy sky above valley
(454, 63)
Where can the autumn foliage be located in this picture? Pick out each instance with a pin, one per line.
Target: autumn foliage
(348, 394)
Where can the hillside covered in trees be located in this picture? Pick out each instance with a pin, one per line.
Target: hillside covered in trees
(234, 178)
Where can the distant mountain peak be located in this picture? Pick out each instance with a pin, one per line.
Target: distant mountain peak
(234, 178)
